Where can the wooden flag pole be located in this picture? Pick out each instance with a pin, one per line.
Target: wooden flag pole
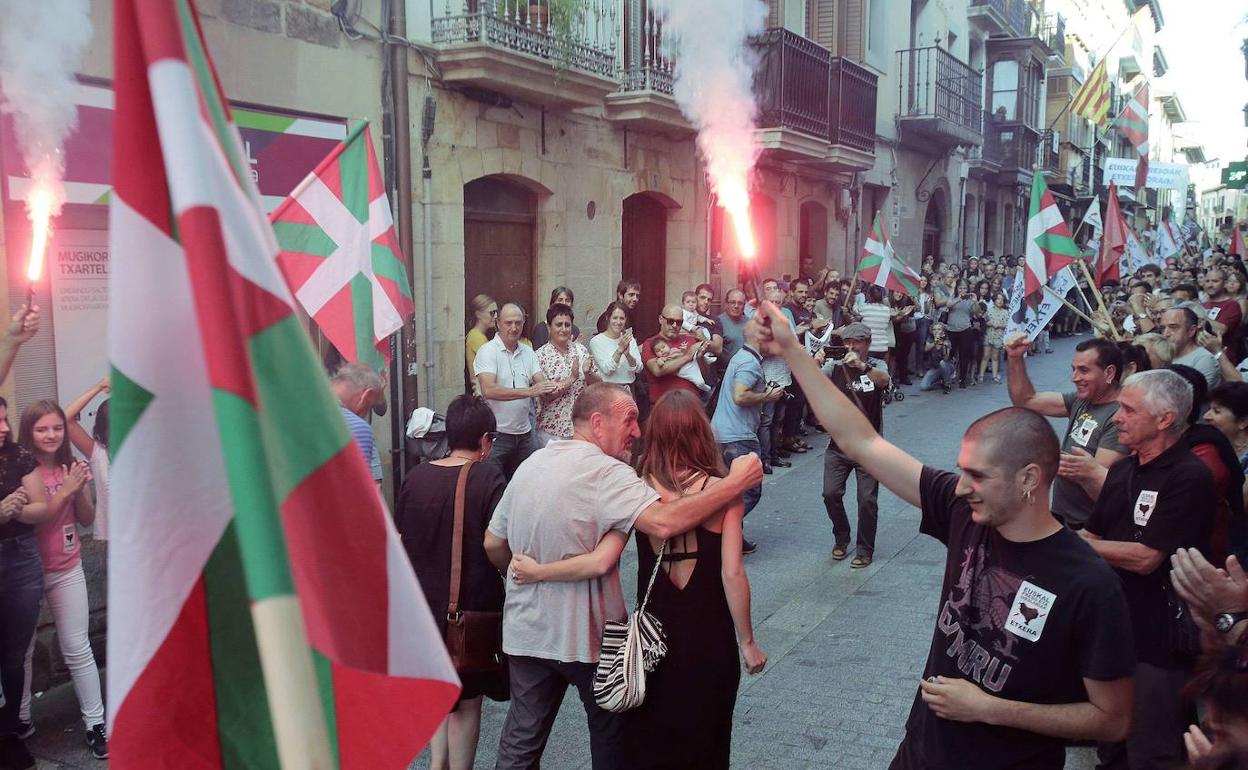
(1070, 305)
(1100, 300)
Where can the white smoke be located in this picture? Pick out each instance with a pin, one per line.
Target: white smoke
(714, 84)
(42, 43)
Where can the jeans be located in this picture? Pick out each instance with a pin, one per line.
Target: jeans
(734, 449)
(794, 411)
(21, 588)
(901, 356)
(510, 450)
(67, 598)
(836, 468)
(943, 373)
(537, 689)
(922, 328)
(765, 418)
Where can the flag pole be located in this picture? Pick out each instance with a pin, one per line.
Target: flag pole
(1071, 100)
(1070, 305)
(1100, 300)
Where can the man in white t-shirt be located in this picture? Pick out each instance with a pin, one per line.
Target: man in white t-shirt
(562, 501)
(509, 377)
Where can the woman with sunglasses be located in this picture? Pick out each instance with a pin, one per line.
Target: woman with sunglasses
(425, 518)
(484, 323)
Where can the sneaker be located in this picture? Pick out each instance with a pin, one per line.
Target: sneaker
(25, 729)
(748, 546)
(97, 742)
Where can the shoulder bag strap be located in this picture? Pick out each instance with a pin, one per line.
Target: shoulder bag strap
(457, 539)
(658, 562)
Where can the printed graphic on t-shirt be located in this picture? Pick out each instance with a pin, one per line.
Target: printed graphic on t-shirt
(975, 614)
(1084, 427)
(69, 538)
(865, 384)
(1145, 504)
(1032, 605)
(1213, 313)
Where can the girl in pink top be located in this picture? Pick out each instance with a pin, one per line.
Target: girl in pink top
(65, 480)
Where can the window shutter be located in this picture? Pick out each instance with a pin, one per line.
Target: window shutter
(852, 29)
(821, 23)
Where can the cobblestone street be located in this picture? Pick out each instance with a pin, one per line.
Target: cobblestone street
(845, 647)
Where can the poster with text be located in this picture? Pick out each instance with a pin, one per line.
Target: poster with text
(78, 269)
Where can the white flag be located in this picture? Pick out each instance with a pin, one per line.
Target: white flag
(1092, 218)
(1030, 321)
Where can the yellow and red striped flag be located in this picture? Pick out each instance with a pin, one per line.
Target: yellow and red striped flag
(1092, 99)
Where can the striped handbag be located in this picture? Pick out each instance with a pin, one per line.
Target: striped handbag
(630, 649)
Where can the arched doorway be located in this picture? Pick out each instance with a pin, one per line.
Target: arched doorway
(499, 224)
(643, 257)
(933, 226)
(812, 238)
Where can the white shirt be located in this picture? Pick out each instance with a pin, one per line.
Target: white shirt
(603, 348)
(513, 370)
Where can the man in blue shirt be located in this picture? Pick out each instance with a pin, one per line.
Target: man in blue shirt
(360, 390)
(742, 394)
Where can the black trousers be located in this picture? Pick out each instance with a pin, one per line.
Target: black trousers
(964, 348)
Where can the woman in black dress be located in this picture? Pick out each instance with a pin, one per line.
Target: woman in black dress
(425, 517)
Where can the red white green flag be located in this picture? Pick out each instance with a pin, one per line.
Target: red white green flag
(881, 266)
(1237, 241)
(260, 602)
(1050, 246)
(340, 253)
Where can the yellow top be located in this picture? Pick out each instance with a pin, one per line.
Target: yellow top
(472, 343)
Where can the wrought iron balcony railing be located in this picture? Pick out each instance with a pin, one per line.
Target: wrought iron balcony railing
(934, 83)
(578, 34)
(646, 63)
(799, 84)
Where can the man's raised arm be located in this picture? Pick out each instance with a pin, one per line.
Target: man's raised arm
(844, 422)
(1022, 392)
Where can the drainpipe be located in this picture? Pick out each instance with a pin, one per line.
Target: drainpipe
(398, 149)
(426, 209)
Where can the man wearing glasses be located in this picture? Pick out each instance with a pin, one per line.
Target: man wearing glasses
(661, 373)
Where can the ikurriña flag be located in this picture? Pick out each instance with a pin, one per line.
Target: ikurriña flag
(340, 253)
(252, 556)
(881, 266)
(1050, 246)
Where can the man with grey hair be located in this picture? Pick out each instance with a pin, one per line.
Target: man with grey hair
(1154, 502)
(361, 391)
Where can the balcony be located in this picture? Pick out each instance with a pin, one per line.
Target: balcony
(644, 99)
(1020, 146)
(1004, 18)
(1053, 35)
(940, 99)
(813, 107)
(1048, 158)
(549, 52)
(985, 159)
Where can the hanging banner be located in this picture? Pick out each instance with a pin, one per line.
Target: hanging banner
(1161, 176)
(1029, 321)
(78, 268)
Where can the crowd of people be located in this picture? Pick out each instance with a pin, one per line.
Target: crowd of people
(1093, 591)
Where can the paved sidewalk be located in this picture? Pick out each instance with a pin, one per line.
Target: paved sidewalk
(846, 647)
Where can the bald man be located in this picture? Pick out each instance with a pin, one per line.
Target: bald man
(661, 372)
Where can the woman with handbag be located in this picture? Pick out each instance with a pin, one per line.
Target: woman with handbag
(700, 596)
(441, 515)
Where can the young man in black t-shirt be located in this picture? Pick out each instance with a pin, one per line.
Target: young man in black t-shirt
(1156, 501)
(1032, 645)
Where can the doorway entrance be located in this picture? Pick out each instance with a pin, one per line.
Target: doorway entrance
(643, 257)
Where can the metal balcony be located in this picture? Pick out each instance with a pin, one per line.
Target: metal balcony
(813, 106)
(550, 52)
(1006, 18)
(646, 73)
(1053, 35)
(940, 98)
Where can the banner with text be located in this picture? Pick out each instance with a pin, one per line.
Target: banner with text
(78, 267)
(1029, 321)
(1161, 176)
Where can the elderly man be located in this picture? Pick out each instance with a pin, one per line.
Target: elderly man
(1152, 503)
(863, 380)
(562, 502)
(732, 323)
(360, 392)
(1090, 444)
(1180, 325)
(1031, 647)
(662, 373)
(509, 377)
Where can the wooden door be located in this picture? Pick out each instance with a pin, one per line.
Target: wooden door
(643, 257)
(499, 225)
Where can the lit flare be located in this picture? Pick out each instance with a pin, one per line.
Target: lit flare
(736, 201)
(40, 204)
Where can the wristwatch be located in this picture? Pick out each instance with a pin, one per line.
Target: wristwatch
(1225, 621)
